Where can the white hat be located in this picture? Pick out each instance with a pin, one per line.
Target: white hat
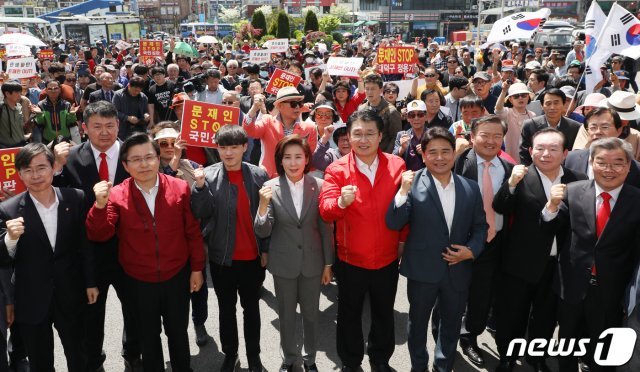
(166, 133)
(624, 103)
(518, 88)
(416, 105)
(533, 65)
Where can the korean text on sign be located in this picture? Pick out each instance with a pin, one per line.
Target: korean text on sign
(46, 54)
(396, 60)
(278, 45)
(9, 178)
(341, 66)
(21, 68)
(281, 79)
(201, 121)
(259, 56)
(149, 50)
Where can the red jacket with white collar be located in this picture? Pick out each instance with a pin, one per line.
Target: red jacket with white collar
(364, 240)
(150, 248)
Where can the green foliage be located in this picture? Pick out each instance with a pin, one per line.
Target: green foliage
(283, 26)
(266, 38)
(227, 39)
(338, 37)
(311, 22)
(273, 28)
(342, 12)
(328, 39)
(297, 34)
(259, 23)
(329, 23)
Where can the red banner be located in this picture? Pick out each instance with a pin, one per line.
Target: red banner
(281, 79)
(9, 179)
(396, 60)
(149, 50)
(201, 121)
(46, 54)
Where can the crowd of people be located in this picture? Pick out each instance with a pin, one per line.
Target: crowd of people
(503, 191)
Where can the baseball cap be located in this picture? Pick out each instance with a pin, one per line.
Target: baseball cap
(416, 105)
(533, 65)
(482, 75)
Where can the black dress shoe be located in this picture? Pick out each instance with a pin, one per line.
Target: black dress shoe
(202, 337)
(134, 365)
(311, 368)
(286, 367)
(231, 362)
(257, 367)
(381, 367)
(506, 366)
(473, 352)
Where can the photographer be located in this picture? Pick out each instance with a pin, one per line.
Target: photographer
(214, 92)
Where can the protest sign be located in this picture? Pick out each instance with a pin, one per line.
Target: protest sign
(281, 79)
(46, 54)
(149, 50)
(307, 70)
(259, 56)
(9, 179)
(122, 45)
(201, 121)
(341, 66)
(17, 50)
(21, 68)
(278, 45)
(396, 60)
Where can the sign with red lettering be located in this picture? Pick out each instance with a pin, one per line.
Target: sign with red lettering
(280, 79)
(149, 50)
(46, 54)
(9, 179)
(201, 121)
(396, 60)
(21, 68)
(342, 66)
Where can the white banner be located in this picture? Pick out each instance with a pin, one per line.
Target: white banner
(341, 66)
(17, 50)
(122, 45)
(21, 68)
(260, 56)
(517, 26)
(278, 45)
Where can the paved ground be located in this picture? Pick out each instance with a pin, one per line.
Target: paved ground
(209, 357)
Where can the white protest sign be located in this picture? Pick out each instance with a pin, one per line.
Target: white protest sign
(278, 45)
(322, 47)
(342, 66)
(122, 45)
(307, 71)
(17, 50)
(260, 56)
(21, 68)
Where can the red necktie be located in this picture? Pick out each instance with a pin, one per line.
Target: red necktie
(103, 171)
(487, 201)
(601, 219)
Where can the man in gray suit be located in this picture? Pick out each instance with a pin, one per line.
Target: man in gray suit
(448, 229)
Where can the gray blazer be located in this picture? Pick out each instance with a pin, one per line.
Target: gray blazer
(298, 245)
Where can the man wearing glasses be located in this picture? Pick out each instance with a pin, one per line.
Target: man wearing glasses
(271, 129)
(481, 86)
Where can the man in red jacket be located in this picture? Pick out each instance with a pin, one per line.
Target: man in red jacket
(160, 248)
(357, 190)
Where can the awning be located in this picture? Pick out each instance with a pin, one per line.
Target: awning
(359, 23)
(371, 23)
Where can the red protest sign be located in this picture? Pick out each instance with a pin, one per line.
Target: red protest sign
(9, 179)
(201, 121)
(46, 54)
(396, 60)
(281, 79)
(149, 50)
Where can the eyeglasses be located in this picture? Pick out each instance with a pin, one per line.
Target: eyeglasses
(613, 167)
(368, 136)
(521, 95)
(430, 75)
(413, 115)
(295, 104)
(148, 159)
(594, 128)
(228, 102)
(165, 144)
(31, 172)
(324, 114)
(391, 91)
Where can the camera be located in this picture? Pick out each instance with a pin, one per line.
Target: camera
(198, 82)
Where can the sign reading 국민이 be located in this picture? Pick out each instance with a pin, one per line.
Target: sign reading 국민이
(396, 60)
(342, 66)
(21, 68)
(201, 121)
(281, 79)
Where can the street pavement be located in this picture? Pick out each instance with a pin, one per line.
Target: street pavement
(209, 357)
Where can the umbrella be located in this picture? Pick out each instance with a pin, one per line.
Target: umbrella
(185, 49)
(207, 39)
(22, 39)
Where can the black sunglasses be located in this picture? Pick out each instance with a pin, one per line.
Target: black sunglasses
(295, 104)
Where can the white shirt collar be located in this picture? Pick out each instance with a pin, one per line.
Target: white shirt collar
(112, 152)
(444, 187)
(495, 161)
(560, 174)
(362, 164)
(153, 189)
(614, 193)
(41, 206)
(294, 185)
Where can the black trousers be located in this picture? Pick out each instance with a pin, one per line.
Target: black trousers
(94, 321)
(38, 341)
(244, 279)
(353, 284)
(163, 304)
(525, 309)
(588, 318)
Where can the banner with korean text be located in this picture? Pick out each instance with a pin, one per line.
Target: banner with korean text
(21, 68)
(341, 66)
(281, 79)
(9, 179)
(149, 50)
(46, 54)
(396, 60)
(201, 121)
(17, 50)
(277, 45)
(260, 56)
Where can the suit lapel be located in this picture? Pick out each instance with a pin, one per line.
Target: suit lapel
(534, 184)
(588, 205)
(459, 203)
(584, 161)
(429, 183)
(308, 194)
(63, 219)
(33, 221)
(287, 200)
(121, 173)
(619, 211)
(470, 170)
(89, 163)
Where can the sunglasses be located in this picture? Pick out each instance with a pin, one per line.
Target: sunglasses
(521, 95)
(391, 92)
(228, 102)
(413, 115)
(165, 144)
(295, 104)
(452, 61)
(430, 75)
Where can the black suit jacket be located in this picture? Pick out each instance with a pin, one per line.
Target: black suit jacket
(45, 277)
(614, 253)
(528, 245)
(578, 160)
(99, 95)
(567, 126)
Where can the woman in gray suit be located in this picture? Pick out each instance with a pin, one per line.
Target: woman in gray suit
(301, 249)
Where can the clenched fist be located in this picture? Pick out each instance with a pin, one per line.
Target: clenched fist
(517, 174)
(15, 228)
(198, 174)
(347, 195)
(61, 151)
(407, 180)
(556, 196)
(102, 190)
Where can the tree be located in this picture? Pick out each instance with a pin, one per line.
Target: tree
(329, 23)
(283, 26)
(259, 23)
(229, 15)
(342, 12)
(310, 22)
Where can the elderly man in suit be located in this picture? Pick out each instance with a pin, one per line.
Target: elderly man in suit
(448, 230)
(602, 122)
(42, 230)
(553, 106)
(526, 303)
(597, 258)
(105, 93)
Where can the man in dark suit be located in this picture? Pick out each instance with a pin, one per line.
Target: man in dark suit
(42, 230)
(105, 93)
(451, 209)
(597, 258)
(82, 167)
(553, 106)
(601, 122)
(482, 164)
(529, 258)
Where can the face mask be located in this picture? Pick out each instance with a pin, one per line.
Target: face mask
(264, 74)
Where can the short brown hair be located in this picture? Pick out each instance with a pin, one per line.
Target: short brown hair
(292, 140)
